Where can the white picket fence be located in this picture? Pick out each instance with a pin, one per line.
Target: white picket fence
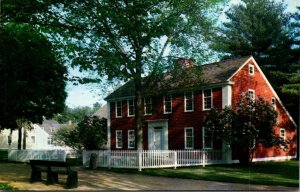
(141, 159)
(26, 155)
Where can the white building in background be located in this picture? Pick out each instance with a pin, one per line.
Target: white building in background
(40, 137)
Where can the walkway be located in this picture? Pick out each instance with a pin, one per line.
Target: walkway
(18, 176)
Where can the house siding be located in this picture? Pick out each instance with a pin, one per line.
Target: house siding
(243, 81)
(178, 120)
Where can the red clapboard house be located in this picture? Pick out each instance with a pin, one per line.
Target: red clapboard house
(175, 121)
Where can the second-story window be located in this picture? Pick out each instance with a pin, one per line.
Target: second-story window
(167, 104)
(148, 106)
(130, 104)
(207, 99)
(118, 108)
(188, 102)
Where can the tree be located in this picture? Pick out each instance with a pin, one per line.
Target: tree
(248, 126)
(126, 40)
(89, 134)
(32, 77)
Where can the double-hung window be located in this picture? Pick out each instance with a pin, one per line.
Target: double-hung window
(207, 99)
(119, 139)
(207, 138)
(118, 109)
(251, 94)
(131, 139)
(251, 69)
(148, 106)
(167, 104)
(189, 138)
(130, 104)
(189, 102)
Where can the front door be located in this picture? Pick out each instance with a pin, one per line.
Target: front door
(158, 138)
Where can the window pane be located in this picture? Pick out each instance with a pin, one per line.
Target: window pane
(189, 138)
(167, 104)
(118, 108)
(207, 99)
(119, 138)
(148, 106)
(131, 139)
(130, 107)
(189, 100)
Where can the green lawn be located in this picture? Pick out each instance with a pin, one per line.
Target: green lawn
(5, 186)
(270, 173)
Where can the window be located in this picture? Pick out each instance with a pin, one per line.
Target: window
(251, 69)
(50, 141)
(282, 133)
(148, 106)
(119, 139)
(273, 102)
(32, 139)
(207, 99)
(207, 137)
(189, 138)
(130, 104)
(167, 104)
(251, 94)
(131, 139)
(118, 108)
(189, 102)
(9, 140)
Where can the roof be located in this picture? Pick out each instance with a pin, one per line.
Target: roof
(213, 73)
(102, 112)
(50, 125)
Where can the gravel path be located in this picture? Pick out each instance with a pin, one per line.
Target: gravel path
(105, 180)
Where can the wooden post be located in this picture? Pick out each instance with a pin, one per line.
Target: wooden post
(109, 159)
(203, 158)
(140, 159)
(175, 160)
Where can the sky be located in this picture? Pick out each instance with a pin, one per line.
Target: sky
(87, 95)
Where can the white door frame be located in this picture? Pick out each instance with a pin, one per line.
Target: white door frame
(151, 126)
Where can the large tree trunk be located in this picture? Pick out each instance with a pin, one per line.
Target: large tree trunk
(244, 156)
(139, 114)
(19, 137)
(24, 138)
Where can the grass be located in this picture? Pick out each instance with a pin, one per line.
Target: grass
(6, 186)
(267, 173)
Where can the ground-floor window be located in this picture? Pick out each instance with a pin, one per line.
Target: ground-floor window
(119, 139)
(189, 137)
(131, 139)
(207, 138)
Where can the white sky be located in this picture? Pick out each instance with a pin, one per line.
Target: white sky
(87, 95)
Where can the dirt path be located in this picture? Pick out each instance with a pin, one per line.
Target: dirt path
(18, 176)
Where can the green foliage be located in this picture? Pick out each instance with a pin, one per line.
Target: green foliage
(6, 187)
(250, 124)
(89, 134)
(76, 114)
(32, 77)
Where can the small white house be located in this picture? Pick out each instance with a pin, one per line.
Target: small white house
(40, 137)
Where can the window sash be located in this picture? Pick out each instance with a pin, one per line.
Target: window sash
(189, 102)
(131, 139)
(130, 104)
(119, 139)
(167, 104)
(148, 106)
(189, 138)
(118, 108)
(207, 99)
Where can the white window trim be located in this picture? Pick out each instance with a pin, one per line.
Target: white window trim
(119, 131)
(252, 90)
(211, 103)
(116, 107)
(282, 129)
(274, 105)
(185, 138)
(131, 130)
(169, 112)
(251, 66)
(145, 106)
(203, 140)
(192, 102)
(128, 107)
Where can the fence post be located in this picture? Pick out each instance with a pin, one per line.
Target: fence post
(140, 159)
(175, 159)
(203, 158)
(109, 158)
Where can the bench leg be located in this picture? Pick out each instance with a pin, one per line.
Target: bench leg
(35, 176)
(72, 180)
